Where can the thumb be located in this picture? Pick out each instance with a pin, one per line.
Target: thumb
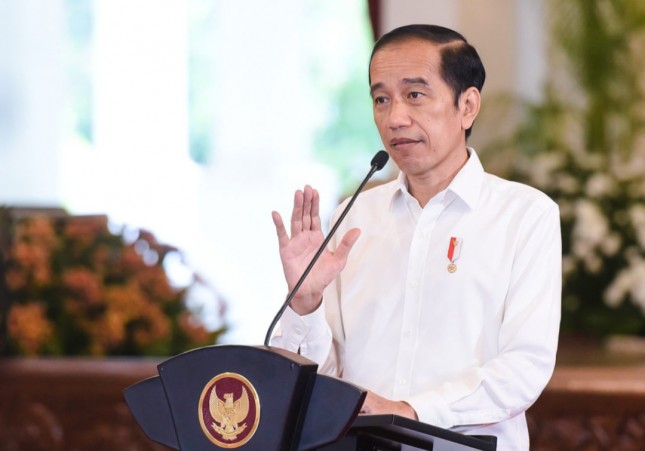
(283, 238)
(346, 244)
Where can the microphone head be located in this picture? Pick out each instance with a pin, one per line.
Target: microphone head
(380, 159)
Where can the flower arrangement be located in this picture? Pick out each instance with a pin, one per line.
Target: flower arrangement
(584, 145)
(603, 225)
(72, 287)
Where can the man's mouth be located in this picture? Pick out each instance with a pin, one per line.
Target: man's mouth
(401, 142)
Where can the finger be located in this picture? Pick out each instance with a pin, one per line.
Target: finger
(315, 211)
(346, 244)
(306, 208)
(296, 214)
(283, 238)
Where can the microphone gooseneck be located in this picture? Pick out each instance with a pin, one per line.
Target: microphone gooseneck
(377, 163)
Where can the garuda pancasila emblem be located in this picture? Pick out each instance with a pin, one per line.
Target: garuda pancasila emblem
(229, 413)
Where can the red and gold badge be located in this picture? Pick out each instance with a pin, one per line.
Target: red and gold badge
(229, 410)
(454, 249)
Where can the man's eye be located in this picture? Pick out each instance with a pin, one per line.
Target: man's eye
(379, 100)
(415, 95)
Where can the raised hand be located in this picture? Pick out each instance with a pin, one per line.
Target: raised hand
(297, 250)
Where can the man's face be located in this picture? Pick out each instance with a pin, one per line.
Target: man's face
(414, 110)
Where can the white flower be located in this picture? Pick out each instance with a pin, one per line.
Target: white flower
(590, 229)
(593, 263)
(588, 160)
(611, 244)
(567, 183)
(632, 167)
(628, 282)
(637, 217)
(599, 185)
(619, 287)
(637, 290)
(543, 167)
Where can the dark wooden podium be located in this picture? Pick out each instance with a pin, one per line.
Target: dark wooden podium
(268, 399)
(391, 432)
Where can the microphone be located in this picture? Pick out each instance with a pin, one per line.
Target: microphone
(377, 163)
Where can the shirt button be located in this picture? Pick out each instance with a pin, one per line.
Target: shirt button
(414, 284)
(407, 334)
(402, 381)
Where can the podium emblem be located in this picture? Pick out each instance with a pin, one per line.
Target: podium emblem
(229, 410)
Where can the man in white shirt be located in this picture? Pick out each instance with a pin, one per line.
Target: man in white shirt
(447, 309)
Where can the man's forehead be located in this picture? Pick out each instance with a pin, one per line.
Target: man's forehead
(407, 62)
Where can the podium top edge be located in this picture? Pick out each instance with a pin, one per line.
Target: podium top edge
(283, 353)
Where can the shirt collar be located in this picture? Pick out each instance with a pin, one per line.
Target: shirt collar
(466, 184)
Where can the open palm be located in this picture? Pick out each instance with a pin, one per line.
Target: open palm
(297, 251)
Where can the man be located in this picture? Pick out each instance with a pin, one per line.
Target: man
(447, 309)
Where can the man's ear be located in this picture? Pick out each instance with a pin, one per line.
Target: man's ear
(469, 103)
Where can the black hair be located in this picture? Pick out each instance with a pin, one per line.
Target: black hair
(461, 66)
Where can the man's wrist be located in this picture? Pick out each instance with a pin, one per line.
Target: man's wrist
(304, 308)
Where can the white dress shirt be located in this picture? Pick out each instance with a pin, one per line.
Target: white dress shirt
(470, 349)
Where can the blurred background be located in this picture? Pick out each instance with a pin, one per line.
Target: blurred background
(144, 144)
(194, 119)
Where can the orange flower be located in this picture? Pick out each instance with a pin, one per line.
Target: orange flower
(101, 291)
(109, 330)
(128, 300)
(34, 260)
(101, 258)
(155, 326)
(84, 231)
(83, 284)
(16, 279)
(155, 283)
(131, 261)
(39, 230)
(29, 327)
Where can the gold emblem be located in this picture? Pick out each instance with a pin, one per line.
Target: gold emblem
(452, 268)
(229, 416)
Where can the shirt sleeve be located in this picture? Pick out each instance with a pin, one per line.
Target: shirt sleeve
(508, 384)
(308, 335)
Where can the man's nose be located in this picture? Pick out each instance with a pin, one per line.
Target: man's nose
(398, 115)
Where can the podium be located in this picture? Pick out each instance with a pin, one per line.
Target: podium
(269, 399)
